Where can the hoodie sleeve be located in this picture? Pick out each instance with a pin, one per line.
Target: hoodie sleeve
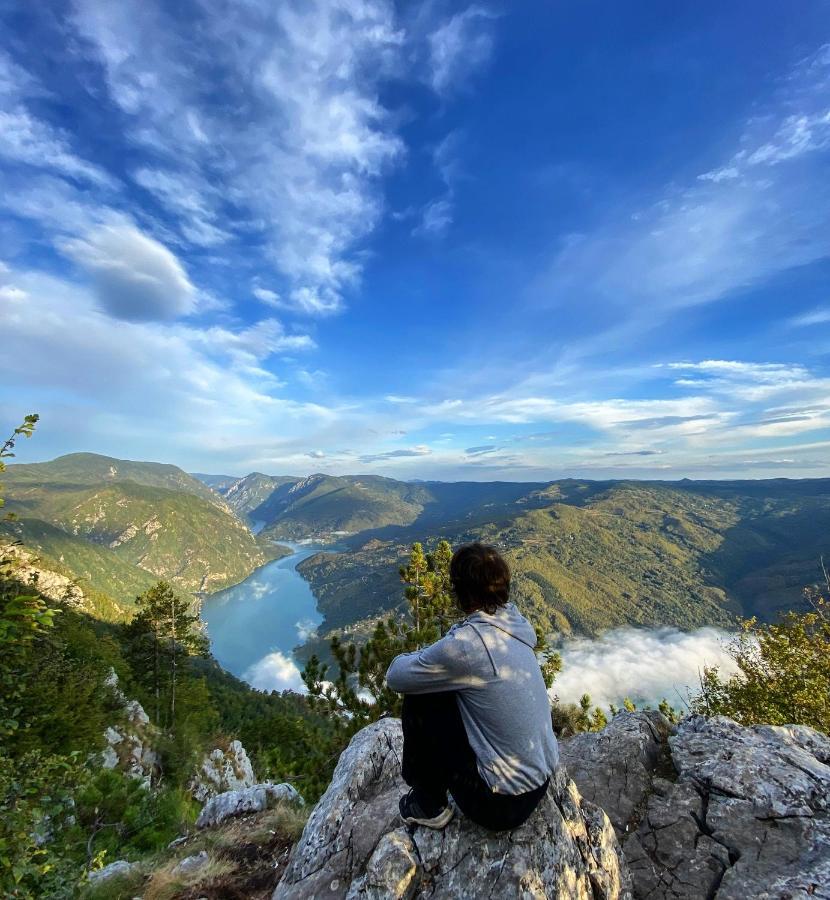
(443, 666)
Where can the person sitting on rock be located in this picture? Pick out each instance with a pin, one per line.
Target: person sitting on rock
(476, 715)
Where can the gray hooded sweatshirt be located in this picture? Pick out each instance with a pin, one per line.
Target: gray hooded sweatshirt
(490, 661)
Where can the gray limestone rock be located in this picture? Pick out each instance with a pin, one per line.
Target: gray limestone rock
(191, 863)
(223, 770)
(743, 813)
(239, 803)
(354, 846)
(113, 870)
(614, 767)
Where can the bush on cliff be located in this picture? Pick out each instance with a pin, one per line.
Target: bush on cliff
(783, 672)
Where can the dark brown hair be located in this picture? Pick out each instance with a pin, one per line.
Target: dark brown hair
(480, 578)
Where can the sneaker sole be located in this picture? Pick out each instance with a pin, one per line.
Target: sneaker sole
(438, 822)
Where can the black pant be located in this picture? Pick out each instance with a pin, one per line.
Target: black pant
(437, 758)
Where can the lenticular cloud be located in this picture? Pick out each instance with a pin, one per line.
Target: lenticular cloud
(643, 664)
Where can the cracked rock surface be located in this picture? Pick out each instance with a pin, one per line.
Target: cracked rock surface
(739, 813)
(614, 767)
(354, 847)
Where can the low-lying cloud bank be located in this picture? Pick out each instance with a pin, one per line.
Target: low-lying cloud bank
(645, 664)
(275, 672)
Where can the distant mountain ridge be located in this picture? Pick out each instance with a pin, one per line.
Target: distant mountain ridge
(95, 469)
(586, 555)
(321, 506)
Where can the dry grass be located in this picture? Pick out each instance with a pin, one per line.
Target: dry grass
(285, 819)
(246, 858)
(166, 883)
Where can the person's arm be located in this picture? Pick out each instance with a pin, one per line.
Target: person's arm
(443, 666)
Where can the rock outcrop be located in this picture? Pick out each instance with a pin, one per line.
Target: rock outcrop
(117, 869)
(254, 799)
(615, 767)
(129, 743)
(715, 810)
(30, 571)
(354, 847)
(222, 771)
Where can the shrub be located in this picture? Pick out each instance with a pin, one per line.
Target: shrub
(783, 672)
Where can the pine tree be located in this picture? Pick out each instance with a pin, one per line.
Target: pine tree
(161, 634)
(359, 688)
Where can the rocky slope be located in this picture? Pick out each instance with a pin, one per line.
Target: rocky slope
(352, 846)
(709, 810)
(714, 810)
(71, 569)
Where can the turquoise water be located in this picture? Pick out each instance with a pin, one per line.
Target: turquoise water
(255, 625)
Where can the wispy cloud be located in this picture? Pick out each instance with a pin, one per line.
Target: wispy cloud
(459, 47)
(815, 317)
(763, 211)
(30, 141)
(301, 167)
(436, 217)
(400, 453)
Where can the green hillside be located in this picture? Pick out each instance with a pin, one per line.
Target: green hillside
(108, 582)
(320, 505)
(95, 470)
(246, 495)
(172, 534)
(588, 556)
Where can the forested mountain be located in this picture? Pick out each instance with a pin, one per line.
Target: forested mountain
(588, 556)
(95, 470)
(109, 584)
(114, 523)
(321, 506)
(247, 495)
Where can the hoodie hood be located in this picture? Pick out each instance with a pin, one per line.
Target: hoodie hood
(507, 619)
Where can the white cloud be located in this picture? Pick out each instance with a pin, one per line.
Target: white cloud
(189, 197)
(275, 672)
(302, 164)
(815, 317)
(267, 296)
(458, 48)
(645, 665)
(306, 629)
(27, 140)
(762, 211)
(400, 453)
(135, 277)
(166, 390)
(15, 82)
(436, 219)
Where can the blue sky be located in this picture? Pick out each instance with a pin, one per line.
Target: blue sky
(436, 240)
